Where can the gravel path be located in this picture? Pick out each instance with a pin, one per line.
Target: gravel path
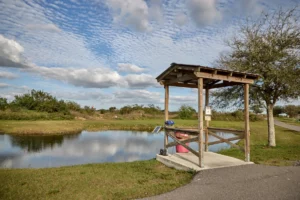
(288, 126)
(241, 182)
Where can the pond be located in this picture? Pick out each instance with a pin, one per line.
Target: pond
(86, 147)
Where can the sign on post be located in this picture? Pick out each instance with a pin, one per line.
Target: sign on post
(208, 113)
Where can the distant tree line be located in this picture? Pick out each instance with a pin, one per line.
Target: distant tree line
(128, 109)
(39, 101)
(291, 110)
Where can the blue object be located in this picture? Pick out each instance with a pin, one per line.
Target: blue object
(169, 123)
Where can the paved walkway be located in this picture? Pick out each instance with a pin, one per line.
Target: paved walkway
(288, 126)
(241, 182)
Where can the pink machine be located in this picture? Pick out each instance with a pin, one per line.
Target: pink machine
(180, 148)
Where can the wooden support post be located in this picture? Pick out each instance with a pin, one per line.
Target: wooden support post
(206, 121)
(200, 120)
(166, 116)
(247, 125)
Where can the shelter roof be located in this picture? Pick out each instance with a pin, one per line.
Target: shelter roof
(184, 75)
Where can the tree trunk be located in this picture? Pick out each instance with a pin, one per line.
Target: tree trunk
(271, 127)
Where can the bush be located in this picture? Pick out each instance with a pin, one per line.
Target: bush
(186, 112)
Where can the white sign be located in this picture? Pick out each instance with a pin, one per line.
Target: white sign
(207, 118)
(207, 110)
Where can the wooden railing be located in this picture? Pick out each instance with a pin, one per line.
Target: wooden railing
(194, 137)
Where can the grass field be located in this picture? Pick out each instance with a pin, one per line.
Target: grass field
(126, 180)
(292, 121)
(92, 181)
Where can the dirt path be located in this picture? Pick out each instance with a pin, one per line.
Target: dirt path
(288, 126)
(242, 182)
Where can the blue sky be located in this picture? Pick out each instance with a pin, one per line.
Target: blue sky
(106, 53)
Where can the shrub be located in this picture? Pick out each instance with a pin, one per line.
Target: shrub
(186, 112)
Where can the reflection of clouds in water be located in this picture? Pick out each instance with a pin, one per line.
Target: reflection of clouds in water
(95, 147)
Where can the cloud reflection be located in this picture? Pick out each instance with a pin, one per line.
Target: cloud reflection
(87, 147)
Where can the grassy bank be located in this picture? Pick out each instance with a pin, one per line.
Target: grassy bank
(287, 151)
(292, 121)
(74, 126)
(92, 181)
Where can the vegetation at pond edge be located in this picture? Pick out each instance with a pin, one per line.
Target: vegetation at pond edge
(39, 105)
(109, 181)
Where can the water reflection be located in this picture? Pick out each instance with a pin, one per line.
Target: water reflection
(38, 143)
(87, 147)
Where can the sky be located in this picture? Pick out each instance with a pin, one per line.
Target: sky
(105, 53)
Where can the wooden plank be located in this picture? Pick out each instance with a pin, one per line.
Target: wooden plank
(234, 131)
(225, 140)
(200, 120)
(229, 139)
(194, 139)
(166, 72)
(226, 84)
(223, 77)
(185, 85)
(206, 121)
(166, 116)
(190, 132)
(183, 78)
(247, 124)
(184, 145)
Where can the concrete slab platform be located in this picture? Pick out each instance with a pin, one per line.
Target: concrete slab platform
(188, 161)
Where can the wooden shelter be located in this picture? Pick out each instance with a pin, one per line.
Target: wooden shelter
(196, 76)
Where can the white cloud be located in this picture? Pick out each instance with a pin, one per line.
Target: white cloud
(4, 85)
(203, 12)
(133, 13)
(156, 10)
(141, 81)
(137, 96)
(43, 27)
(82, 95)
(10, 53)
(127, 67)
(7, 75)
(184, 99)
(181, 19)
(88, 78)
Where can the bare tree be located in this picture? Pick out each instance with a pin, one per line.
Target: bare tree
(268, 47)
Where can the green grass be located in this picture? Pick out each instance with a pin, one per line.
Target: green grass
(287, 151)
(74, 126)
(92, 181)
(292, 121)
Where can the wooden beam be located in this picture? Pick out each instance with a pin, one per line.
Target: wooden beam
(223, 77)
(194, 139)
(189, 132)
(247, 124)
(229, 139)
(183, 78)
(206, 121)
(184, 145)
(184, 85)
(200, 120)
(225, 140)
(226, 84)
(166, 116)
(234, 131)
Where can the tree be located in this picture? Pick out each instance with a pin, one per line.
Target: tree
(186, 112)
(256, 109)
(268, 47)
(3, 103)
(291, 110)
(278, 110)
